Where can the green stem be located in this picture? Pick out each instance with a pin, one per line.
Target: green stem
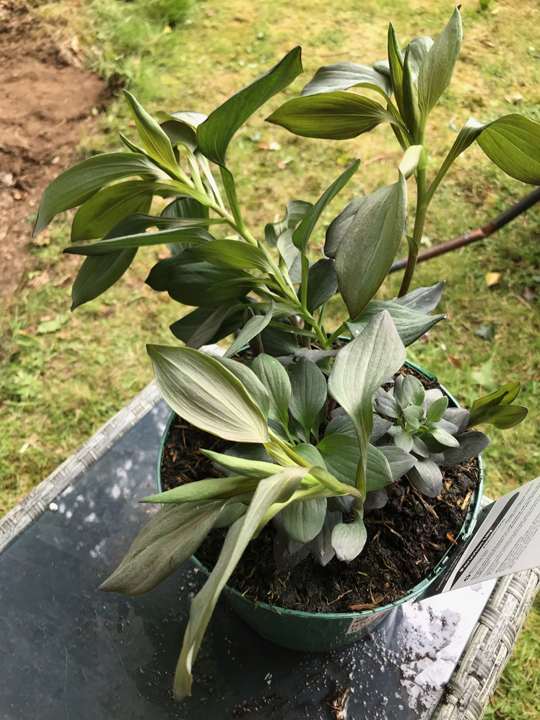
(414, 245)
(304, 282)
(332, 339)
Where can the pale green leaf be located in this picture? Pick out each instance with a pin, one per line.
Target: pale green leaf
(268, 492)
(303, 521)
(308, 394)
(359, 370)
(409, 323)
(215, 133)
(200, 390)
(233, 254)
(303, 232)
(274, 377)
(367, 251)
(348, 539)
(332, 116)
(437, 68)
(163, 546)
(345, 75)
(154, 139)
(250, 381)
(254, 326)
(77, 184)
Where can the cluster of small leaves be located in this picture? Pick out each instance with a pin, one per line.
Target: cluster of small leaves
(421, 423)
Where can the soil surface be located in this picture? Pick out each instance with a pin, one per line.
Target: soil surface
(406, 538)
(47, 99)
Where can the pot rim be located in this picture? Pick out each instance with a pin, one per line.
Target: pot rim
(464, 532)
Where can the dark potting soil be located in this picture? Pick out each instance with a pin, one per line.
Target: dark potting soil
(405, 541)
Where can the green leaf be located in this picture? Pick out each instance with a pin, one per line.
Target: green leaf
(274, 377)
(250, 382)
(332, 116)
(289, 253)
(400, 461)
(277, 342)
(443, 437)
(426, 477)
(345, 75)
(154, 139)
(418, 49)
(200, 390)
(184, 207)
(198, 283)
(340, 226)
(194, 328)
(188, 117)
(423, 299)
(308, 394)
(222, 488)
(209, 327)
(77, 184)
(342, 455)
(367, 251)
(268, 492)
(413, 416)
(340, 425)
(295, 212)
(163, 546)
(471, 444)
(410, 324)
(438, 67)
(322, 283)
(303, 521)
(403, 440)
(216, 132)
(98, 274)
(359, 370)
(233, 254)
(107, 207)
(303, 232)
(348, 539)
(179, 132)
(504, 416)
(437, 409)
(395, 66)
(505, 395)
(311, 454)
(413, 390)
(242, 466)
(127, 234)
(513, 143)
(254, 326)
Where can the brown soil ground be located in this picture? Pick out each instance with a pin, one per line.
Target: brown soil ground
(47, 99)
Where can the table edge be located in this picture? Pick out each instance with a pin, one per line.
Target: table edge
(38, 499)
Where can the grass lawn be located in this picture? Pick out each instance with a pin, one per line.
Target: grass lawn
(64, 375)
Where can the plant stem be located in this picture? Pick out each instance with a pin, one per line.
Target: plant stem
(414, 245)
(332, 339)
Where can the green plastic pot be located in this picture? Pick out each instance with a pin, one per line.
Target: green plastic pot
(327, 631)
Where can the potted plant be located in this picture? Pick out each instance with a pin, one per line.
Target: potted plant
(317, 436)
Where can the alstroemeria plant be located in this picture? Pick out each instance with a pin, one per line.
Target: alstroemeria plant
(318, 434)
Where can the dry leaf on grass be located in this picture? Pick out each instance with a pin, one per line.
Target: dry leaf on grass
(492, 278)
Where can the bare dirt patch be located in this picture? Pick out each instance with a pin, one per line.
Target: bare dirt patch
(47, 99)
